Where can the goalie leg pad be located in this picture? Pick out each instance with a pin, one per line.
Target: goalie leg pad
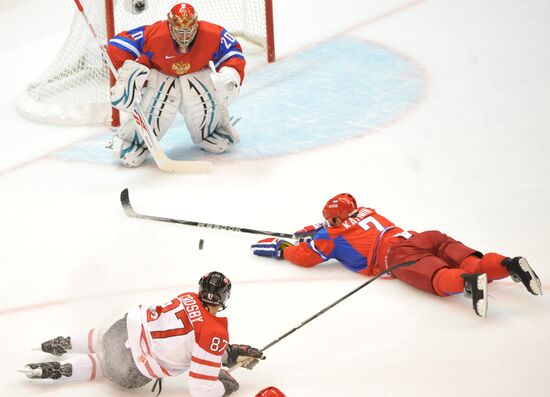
(209, 128)
(161, 99)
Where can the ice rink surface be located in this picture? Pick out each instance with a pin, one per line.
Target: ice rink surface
(448, 130)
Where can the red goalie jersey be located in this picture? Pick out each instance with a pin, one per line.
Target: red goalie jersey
(154, 47)
(168, 339)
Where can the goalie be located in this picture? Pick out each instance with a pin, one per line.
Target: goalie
(150, 343)
(164, 67)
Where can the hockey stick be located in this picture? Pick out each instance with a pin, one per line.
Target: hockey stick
(125, 201)
(162, 161)
(388, 270)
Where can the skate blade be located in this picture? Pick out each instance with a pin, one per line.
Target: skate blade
(481, 306)
(32, 373)
(534, 283)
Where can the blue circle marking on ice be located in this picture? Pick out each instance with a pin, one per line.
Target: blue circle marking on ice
(337, 90)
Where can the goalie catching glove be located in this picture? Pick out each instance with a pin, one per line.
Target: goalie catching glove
(126, 92)
(247, 355)
(227, 83)
(271, 247)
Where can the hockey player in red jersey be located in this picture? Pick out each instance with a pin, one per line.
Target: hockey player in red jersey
(164, 67)
(151, 343)
(365, 242)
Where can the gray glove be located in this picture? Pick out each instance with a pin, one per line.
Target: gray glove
(229, 383)
(242, 353)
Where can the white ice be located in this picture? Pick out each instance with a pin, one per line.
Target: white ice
(470, 158)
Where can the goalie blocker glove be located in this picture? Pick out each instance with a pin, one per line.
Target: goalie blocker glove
(271, 247)
(245, 354)
(126, 92)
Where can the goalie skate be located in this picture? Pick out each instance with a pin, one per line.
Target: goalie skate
(475, 287)
(520, 271)
(48, 370)
(57, 346)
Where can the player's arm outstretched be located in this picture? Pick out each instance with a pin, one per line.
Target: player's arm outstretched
(310, 248)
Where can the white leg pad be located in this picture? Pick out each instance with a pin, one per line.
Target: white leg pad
(205, 120)
(86, 342)
(85, 366)
(161, 99)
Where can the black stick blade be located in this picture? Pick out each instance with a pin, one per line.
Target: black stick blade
(125, 201)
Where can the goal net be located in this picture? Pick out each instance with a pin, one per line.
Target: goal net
(74, 89)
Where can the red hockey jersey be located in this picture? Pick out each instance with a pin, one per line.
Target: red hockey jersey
(153, 46)
(360, 243)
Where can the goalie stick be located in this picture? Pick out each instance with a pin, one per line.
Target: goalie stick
(143, 127)
(125, 201)
(280, 338)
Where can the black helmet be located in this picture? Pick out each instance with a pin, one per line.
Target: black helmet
(214, 289)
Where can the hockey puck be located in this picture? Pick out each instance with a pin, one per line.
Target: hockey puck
(201, 243)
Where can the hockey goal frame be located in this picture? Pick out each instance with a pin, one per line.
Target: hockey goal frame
(49, 97)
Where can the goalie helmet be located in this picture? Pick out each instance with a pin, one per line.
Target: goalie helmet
(341, 206)
(183, 23)
(214, 289)
(270, 391)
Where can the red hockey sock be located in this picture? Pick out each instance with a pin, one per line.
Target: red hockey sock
(491, 264)
(471, 264)
(448, 281)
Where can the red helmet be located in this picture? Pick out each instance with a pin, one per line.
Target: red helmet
(183, 23)
(270, 391)
(341, 206)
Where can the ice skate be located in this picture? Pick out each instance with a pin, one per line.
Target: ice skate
(49, 370)
(57, 346)
(475, 287)
(520, 271)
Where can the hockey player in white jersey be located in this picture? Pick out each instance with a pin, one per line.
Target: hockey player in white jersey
(151, 343)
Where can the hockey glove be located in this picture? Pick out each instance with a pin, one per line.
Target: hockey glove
(126, 92)
(227, 84)
(309, 230)
(229, 383)
(271, 247)
(245, 354)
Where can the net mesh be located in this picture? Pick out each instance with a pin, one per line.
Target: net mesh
(74, 89)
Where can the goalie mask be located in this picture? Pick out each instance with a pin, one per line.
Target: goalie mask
(214, 289)
(342, 206)
(183, 23)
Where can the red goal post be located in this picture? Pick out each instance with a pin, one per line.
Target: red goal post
(74, 89)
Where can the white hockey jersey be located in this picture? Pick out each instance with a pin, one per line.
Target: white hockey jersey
(168, 339)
